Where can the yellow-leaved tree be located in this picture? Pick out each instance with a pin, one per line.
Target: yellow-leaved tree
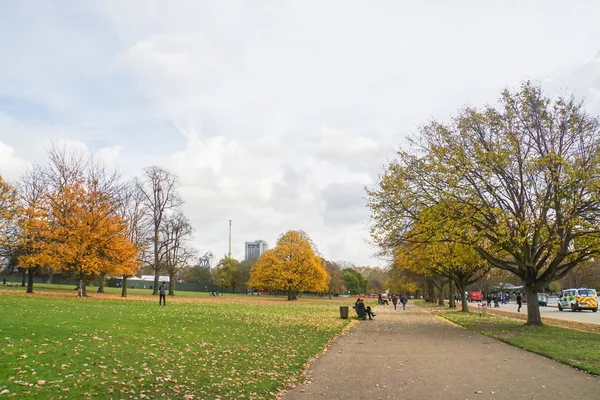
(87, 235)
(292, 266)
(34, 238)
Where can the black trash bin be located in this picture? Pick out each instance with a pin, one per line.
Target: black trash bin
(344, 312)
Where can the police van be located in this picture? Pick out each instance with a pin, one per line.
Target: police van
(578, 299)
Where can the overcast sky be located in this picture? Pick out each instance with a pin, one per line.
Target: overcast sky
(275, 114)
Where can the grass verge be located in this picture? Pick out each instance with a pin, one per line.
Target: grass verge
(575, 348)
(65, 347)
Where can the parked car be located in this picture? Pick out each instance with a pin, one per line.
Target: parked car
(578, 300)
(475, 296)
(542, 299)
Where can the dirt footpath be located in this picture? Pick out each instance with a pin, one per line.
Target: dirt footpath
(414, 355)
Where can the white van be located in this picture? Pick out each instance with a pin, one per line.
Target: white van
(578, 299)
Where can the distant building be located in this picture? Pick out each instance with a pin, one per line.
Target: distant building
(255, 249)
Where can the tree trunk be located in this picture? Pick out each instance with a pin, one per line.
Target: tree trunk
(84, 291)
(233, 289)
(156, 266)
(24, 277)
(451, 294)
(29, 281)
(460, 286)
(441, 301)
(124, 286)
(155, 286)
(429, 295)
(50, 275)
(172, 284)
(101, 283)
(292, 295)
(329, 295)
(533, 308)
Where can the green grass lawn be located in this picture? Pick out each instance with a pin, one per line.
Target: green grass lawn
(579, 349)
(226, 348)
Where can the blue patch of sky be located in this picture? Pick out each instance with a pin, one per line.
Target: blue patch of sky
(65, 51)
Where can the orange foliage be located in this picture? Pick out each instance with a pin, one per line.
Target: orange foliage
(291, 266)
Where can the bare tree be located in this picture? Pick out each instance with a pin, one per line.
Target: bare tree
(177, 254)
(132, 212)
(159, 190)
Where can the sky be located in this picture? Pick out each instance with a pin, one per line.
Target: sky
(275, 114)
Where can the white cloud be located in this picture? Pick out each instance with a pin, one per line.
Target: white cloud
(274, 114)
(11, 166)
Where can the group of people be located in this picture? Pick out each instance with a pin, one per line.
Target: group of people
(365, 311)
(402, 299)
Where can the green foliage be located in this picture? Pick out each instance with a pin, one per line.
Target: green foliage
(227, 273)
(198, 274)
(231, 347)
(355, 282)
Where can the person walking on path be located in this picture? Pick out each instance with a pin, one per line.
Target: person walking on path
(395, 301)
(162, 291)
(519, 302)
(403, 300)
(80, 288)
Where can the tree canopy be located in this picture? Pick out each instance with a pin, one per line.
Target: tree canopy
(524, 175)
(292, 266)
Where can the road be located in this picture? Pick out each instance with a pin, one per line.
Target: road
(552, 312)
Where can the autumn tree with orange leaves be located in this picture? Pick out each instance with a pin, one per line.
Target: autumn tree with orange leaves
(88, 236)
(292, 266)
(33, 237)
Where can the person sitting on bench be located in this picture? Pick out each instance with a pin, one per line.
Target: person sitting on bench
(382, 301)
(363, 311)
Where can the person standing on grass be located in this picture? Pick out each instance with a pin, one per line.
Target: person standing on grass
(403, 300)
(80, 292)
(395, 301)
(162, 291)
(519, 302)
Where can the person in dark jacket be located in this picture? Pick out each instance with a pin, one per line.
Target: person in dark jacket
(519, 302)
(162, 292)
(403, 300)
(363, 311)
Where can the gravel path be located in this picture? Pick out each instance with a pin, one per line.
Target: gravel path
(414, 355)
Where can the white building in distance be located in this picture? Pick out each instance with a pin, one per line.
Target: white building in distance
(255, 249)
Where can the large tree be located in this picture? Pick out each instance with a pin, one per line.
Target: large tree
(228, 273)
(132, 212)
(523, 174)
(86, 235)
(438, 247)
(336, 282)
(292, 266)
(354, 281)
(176, 231)
(159, 190)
